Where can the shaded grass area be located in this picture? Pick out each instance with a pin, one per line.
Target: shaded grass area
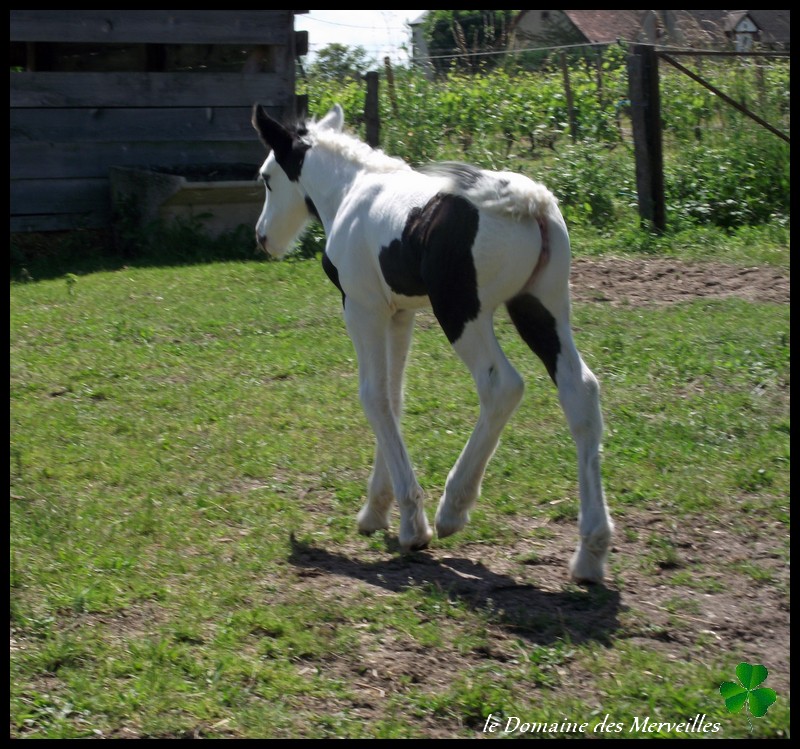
(45, 255)
(42, 256)
(187, 456)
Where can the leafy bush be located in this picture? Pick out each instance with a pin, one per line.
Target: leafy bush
(728, 186)
(590, 182)
(721, 167)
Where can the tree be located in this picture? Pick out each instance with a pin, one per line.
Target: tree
(464, 33)
(339, 62)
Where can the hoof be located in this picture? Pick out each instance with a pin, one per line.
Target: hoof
(370, 521)
(416, 543)
(588, 563)
(449, 523)
(587, 566)
(418, 547)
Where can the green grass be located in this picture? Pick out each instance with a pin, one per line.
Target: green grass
(744, 245)
(171, 427)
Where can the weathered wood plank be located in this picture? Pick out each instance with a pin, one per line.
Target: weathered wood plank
(75, 196)
(152, 26)
(74, 125)
(36, 160)
(112, 124)
(149, 90)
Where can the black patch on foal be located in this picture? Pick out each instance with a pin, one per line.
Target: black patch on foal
(290, 153)
(312, 209)
(332, 273)
(286, 143)
(291, 159)
(433, 258)
(538, 329)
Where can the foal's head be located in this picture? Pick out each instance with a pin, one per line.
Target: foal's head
(287, 209)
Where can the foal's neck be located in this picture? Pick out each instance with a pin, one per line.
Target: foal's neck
(326, 178)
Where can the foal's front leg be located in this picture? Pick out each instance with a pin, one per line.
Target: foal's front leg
(371, 335)
(375, 515)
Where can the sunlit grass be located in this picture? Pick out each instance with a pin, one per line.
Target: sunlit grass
(173, 429)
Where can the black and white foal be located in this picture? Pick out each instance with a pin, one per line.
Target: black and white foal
(463, 241)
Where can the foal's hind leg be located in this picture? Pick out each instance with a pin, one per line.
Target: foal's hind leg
(500, 390)
(543, 322)
(376, 513)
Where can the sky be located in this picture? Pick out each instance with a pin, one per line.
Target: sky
(380, 32)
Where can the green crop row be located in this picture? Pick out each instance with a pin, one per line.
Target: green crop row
(721, 168)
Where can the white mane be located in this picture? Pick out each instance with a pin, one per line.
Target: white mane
(501, 192)
(354, 150)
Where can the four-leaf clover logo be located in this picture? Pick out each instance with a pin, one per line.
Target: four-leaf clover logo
(758, 700)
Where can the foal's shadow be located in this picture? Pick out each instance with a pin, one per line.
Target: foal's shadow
(540, 616)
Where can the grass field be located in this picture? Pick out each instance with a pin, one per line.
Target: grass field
(187, 456)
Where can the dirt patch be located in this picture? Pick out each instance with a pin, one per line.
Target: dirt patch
(702, 606)
(657, 281)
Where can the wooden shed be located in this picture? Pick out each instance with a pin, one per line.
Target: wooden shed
(93, 89)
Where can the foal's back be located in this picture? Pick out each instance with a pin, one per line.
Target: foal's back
(453, 225)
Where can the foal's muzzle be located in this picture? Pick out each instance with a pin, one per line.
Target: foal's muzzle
(261, 241)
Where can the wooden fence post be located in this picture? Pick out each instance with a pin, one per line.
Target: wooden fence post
(387, 64)
(371, 116)
(647, 146)
(573, 123)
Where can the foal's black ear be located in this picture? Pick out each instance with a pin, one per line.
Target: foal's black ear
(273, 135)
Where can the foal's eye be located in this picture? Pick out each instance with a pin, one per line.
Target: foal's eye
(265, 179)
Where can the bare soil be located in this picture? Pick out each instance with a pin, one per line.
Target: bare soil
(657, 281)
(699, 608)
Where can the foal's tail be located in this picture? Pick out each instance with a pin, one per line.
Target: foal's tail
(550, 277)
(521, 197)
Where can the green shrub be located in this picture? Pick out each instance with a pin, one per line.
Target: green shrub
(727, 186)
